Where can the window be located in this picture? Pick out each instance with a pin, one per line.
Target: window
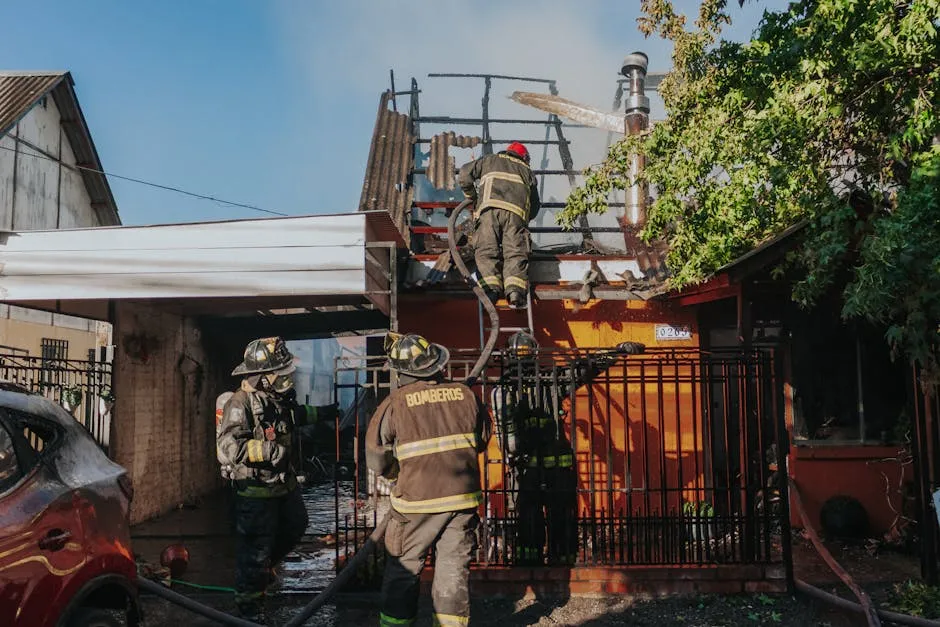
(10, 471)
(53, 350)
(38, 433)
(846, 387)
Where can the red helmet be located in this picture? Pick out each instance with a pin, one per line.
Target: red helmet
(519, 150)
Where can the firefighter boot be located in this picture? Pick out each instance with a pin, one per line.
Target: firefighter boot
(516, 299)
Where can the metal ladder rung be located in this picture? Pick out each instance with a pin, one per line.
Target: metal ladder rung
(527, 309)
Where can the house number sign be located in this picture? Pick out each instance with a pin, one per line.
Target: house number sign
(673, 332)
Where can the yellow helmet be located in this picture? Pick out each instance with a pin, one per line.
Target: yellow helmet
(413, 355)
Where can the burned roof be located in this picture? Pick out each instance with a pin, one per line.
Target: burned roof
(21, 91)
(387, 185)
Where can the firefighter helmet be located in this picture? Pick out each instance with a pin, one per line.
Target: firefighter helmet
(414, 356)
(521, 344)
(268, 354)
(519, 150)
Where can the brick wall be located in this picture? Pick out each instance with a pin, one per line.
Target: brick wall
(603, 581)
(166, 379)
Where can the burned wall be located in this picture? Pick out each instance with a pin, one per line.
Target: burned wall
(166, 378)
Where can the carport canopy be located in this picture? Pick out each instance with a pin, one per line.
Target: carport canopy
(236, 267)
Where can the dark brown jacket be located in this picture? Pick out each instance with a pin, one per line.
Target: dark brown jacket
(434, 432)
(506, 182)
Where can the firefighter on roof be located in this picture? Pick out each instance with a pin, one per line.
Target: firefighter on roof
(507, 199)
(254, 445)
(430, 432)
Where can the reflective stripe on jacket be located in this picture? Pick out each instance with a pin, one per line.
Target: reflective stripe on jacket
(506, 182)
(433, 433)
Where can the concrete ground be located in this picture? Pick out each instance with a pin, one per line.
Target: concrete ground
(206, 531)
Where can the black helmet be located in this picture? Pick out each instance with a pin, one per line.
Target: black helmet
(521, 345)
(413, 355)
(268, 354)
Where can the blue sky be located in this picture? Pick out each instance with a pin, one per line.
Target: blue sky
(272, 102)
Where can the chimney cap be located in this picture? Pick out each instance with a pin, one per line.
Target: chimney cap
(633, 60)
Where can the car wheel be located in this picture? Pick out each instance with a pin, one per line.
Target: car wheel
(94, 617)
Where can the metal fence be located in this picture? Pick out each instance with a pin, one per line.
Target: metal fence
(60, 379)
(674, 459)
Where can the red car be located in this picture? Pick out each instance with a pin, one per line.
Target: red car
(65, 553)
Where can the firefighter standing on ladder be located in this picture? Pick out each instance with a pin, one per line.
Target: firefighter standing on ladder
(254, 444)
(508, 198)
(430, 431)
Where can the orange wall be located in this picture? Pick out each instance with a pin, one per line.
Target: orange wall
(454, 322)
(615, 435)
(823, 472)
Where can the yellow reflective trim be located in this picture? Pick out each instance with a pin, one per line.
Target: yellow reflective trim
(436, 506)
(508, 206)
(450, 620)
(502, 176)
(487, 199)
(255, 451)
(391, 621)
(514, 281)
(495, 281)
(435, 445)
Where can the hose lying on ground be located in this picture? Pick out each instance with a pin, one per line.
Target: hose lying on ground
(864, 601)
(344, 575)
(308, 610)
(837, 601)
(193, 606)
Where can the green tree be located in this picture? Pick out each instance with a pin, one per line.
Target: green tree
(828, 115)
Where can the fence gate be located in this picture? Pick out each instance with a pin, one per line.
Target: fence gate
(667, 458)
(83, 386)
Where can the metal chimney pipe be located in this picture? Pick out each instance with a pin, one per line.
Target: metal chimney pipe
(636, 121)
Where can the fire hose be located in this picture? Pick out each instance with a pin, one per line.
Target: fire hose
(366, 550)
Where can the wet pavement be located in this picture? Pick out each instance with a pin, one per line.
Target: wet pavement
(206, 529)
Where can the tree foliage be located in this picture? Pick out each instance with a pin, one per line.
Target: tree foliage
(828, 115)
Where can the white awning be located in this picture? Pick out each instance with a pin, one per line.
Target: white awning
(238, 265)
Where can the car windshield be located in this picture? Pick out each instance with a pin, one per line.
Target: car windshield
(9, 468)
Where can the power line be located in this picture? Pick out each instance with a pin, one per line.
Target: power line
(134, 180)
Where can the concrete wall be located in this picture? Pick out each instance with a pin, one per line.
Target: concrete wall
(39, 192)
(165, 381)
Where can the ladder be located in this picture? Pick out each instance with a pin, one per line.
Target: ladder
(503, 306)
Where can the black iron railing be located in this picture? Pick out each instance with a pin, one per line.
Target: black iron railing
(84, 387)
(674, 459)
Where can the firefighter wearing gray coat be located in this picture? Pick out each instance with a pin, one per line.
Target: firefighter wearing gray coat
(255, 445)
(427, 436)
(507, 199)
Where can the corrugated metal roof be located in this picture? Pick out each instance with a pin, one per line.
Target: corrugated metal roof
(19, 91)
(441, 165)
(387, 185)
